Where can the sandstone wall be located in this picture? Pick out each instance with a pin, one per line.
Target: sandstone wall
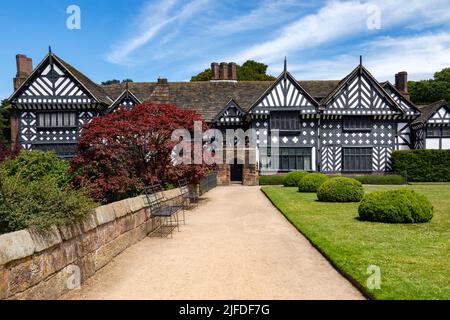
(37, 265)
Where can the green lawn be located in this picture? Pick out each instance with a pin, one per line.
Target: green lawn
(414, 259)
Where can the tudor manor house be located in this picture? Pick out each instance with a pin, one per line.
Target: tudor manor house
(346, 126)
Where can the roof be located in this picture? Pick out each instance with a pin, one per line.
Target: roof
(427, 111)
(93, 88)
(208, 98)
(360, 69)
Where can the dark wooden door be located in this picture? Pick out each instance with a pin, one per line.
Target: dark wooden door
(236, 171)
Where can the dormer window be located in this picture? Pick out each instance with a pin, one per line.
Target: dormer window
(357, 124)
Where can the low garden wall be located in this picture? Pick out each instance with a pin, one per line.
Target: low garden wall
(38, 265)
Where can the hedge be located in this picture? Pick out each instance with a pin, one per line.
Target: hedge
(35, 192)
(39, 204)
(340, 189)
(293, 178)
(396, 206)
(312, 182)
(387, 179)
(423, 165)
(271, 180)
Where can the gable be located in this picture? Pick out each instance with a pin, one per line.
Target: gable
(406, 106)
(126, 100)
(51, 86)
(285, 94)
(442, 115)
(231, 114)
(360, 94)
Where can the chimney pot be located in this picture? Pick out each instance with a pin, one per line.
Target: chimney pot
(215, 73)
(232, 71)
(223, 71)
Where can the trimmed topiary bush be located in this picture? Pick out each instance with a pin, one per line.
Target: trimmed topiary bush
(293, 178)
(396, 206)
(311, 182)
(340, 189)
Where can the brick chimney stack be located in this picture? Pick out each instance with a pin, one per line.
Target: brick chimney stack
(215, 71)
(232, 69)
(401, 83)
(223, 71)
(24, 69)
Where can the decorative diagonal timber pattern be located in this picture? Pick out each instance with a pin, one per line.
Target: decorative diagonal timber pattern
(286, 93)
(403, 141)
(331, 159)
(27, 129)
(381, 159)
(441, 116)
(419, 138)
(401, 101)
(54, 86)
(231, 114)
(359, 96)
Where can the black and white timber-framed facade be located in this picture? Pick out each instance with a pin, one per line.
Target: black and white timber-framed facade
(334, 126)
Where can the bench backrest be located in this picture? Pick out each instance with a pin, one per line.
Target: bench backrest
(154, 196)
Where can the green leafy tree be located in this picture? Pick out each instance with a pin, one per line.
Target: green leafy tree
(428, 91)
(109, 82)
(253, 71)
(250, 71)
(203, 76)
(115, 81)
(5, 128)
(443, 75)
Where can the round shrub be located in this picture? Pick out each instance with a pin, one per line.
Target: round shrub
(340, 189)
(311, 182)
(293, 178)
(396, 206)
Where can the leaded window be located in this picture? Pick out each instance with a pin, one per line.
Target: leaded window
(357, 123)
(294, 159)
(357, 159)
(288, 120)
(437, 132)
(57, 119)
(446, 131)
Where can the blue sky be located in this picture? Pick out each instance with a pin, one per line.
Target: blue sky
(143, 39)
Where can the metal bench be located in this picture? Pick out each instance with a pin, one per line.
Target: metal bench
(160, 209)
(188, 195)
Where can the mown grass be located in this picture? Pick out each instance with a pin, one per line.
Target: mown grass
(414, 259)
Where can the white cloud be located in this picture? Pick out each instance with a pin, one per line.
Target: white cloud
(420, 56)
(340, 20)
(153, 18)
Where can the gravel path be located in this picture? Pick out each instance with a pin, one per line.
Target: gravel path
(235, 245)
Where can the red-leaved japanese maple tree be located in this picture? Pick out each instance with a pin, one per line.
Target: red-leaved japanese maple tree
(118, 154)
(6, 152)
